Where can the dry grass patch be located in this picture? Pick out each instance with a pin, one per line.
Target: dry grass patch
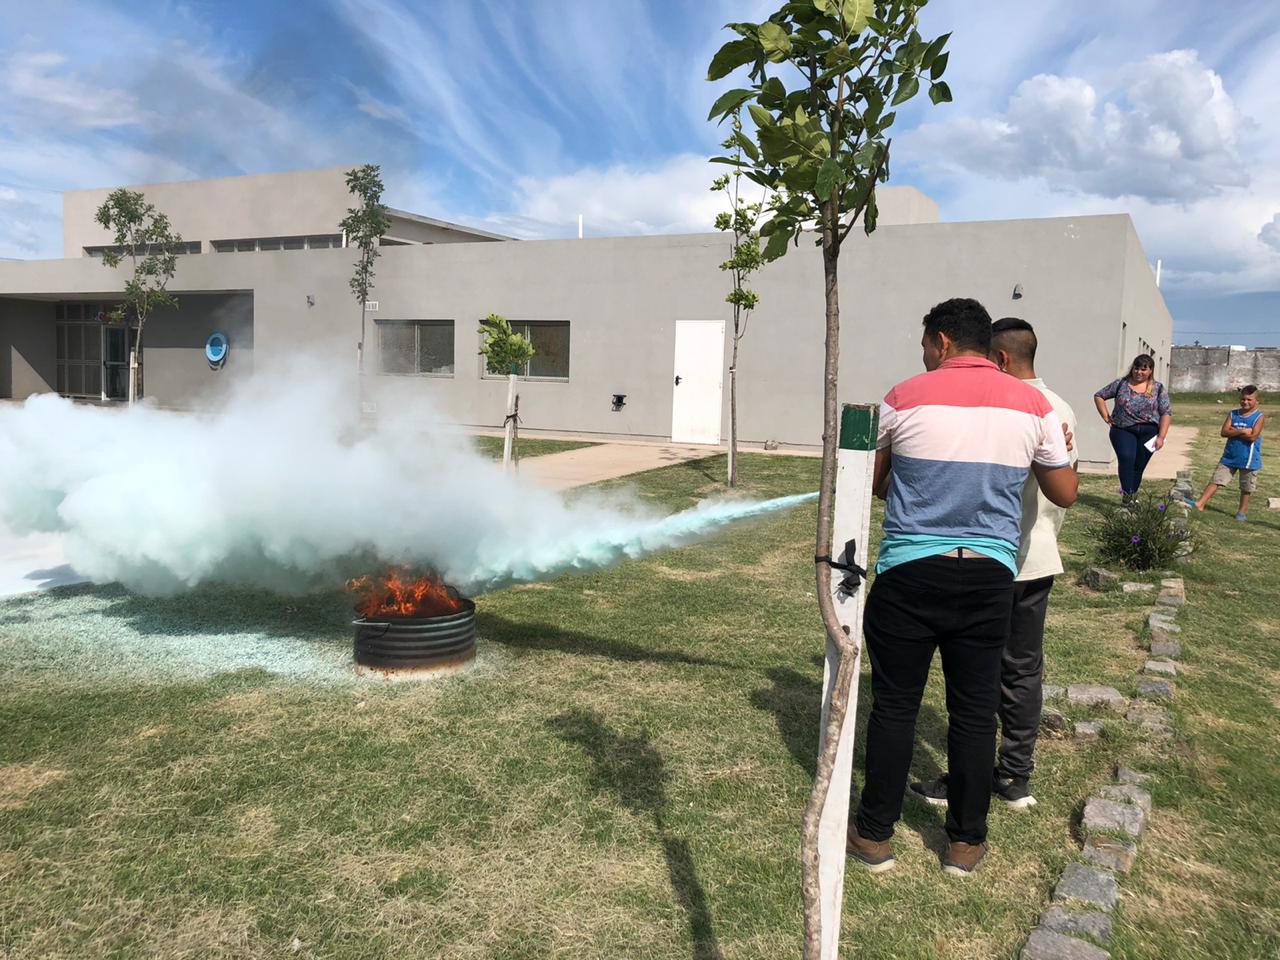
(683, 575)
(18, 781)
(207, 935)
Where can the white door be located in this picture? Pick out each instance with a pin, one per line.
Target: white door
(698, 381)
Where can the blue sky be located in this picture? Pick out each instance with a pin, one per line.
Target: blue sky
(518, 116)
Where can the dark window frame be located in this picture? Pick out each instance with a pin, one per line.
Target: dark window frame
(523, 327)
(384, 323)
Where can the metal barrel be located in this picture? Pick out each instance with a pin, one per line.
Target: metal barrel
(409, 642)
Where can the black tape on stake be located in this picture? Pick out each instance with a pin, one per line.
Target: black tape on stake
(854, 574)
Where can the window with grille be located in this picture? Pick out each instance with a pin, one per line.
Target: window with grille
(415, 347)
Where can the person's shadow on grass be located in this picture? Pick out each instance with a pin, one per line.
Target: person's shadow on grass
(632, 768)
(795, 700)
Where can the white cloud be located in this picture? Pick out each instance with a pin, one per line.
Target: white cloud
(1169, 133)
(672, 197)
(1270, 233)
(48, 91)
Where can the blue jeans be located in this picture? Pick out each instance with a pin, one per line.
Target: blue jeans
(1131, 454)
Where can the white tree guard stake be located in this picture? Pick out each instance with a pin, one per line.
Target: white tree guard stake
(855, 461)
(510, 423)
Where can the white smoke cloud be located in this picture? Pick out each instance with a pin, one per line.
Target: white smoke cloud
(281, 487)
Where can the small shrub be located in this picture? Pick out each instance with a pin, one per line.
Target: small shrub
(1139, 534)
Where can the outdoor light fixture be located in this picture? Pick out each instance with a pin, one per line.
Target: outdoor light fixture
(619, 401)
(311, 301)
(1017, 291)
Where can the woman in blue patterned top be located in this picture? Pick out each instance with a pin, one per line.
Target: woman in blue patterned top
(1139, 421)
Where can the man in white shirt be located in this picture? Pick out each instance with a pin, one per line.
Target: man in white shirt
(1013, 349)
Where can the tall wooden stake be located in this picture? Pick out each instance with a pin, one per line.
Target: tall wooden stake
(852, 522)
(511, 422)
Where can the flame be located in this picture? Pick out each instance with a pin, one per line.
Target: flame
(399, 593)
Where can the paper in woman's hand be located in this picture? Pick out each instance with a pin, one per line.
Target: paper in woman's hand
(1151, 444)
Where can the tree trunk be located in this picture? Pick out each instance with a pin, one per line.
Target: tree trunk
(135, 364)
(733, 411)
(835, 632)
(360, 345)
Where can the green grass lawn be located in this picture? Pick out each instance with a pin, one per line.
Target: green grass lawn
(621, 775)
(527, 446)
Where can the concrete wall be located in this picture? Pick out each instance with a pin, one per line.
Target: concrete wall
(1219, 369)
(177, 373)
(28, 348)
(902, 205)
(1147, 323)
(623, 297)
(264, 205)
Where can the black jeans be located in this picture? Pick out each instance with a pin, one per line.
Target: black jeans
(1131, 454)
(1021, 678)
(960, 607)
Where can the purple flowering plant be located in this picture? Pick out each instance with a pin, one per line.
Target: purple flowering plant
(1142, 534)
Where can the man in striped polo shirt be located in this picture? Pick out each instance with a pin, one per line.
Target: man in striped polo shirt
(955, 447)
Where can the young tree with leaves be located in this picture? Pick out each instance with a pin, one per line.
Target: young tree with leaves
(825, 75)
(143, 236)
(505, 351)
(364, 226)
(745, 258)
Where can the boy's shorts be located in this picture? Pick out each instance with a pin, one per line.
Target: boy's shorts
(1248, 478)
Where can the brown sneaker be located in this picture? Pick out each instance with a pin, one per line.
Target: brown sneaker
(963, 858)
(874, 855)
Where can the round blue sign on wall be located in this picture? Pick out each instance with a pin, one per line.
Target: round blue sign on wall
(215, 349)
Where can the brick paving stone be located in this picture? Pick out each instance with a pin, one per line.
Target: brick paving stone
(1096, 695)
(1046, 944)
(1130, 775)
(1155, 689)
(1052, 691)
(1113, 816)
(1171, 600)
(1100, 579)
(1053, 721)
(1131, 587)
(1104, 851)
(1127, 793)
(1165, 668)
(1174, 585)
(1075, 923)
(1166, 647)
(1088, 885)
(1088, 729)
(1273, 503)
(1157, 621)
(1144, 711)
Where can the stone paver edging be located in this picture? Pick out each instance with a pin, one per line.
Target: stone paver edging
(1077, 926)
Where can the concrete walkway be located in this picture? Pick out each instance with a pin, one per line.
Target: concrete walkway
(605, 461)
(1175, 455)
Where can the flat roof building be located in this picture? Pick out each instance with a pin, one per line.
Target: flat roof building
(642, 318)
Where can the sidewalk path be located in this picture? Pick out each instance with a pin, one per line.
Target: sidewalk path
(1175, 455)
(573, 468)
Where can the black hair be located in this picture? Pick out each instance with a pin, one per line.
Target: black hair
(1248, 390)
(966, 322)
(1143, 360)
(1017, 338)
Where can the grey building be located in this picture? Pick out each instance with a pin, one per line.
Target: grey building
(642, 320)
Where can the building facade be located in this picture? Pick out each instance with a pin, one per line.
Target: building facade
(632, 333)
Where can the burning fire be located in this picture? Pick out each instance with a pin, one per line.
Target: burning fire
(397, 594)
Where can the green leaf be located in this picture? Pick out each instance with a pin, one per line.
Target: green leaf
(856, 12)
(828, 174)
(940, 93)
(773, 93)
(777, 245)
(728, 101)
(931, 52)
(908, 87)
(829, 7)
(760, 115)
(730, 161)
(730, 57)
(775, 41)
(747, 144)
(939, 67)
